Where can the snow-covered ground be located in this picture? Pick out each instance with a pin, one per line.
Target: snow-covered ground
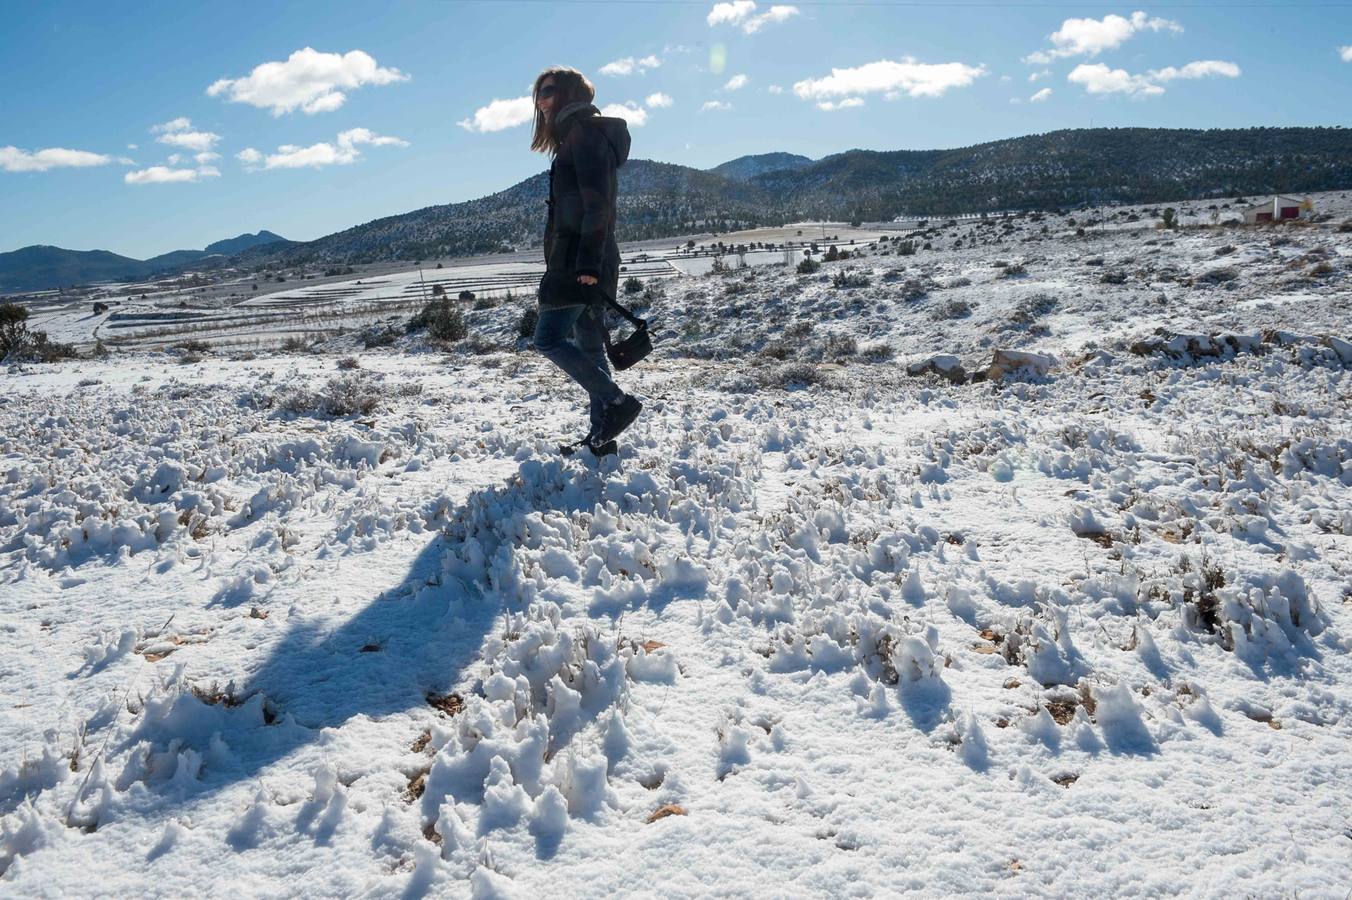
(280, 625)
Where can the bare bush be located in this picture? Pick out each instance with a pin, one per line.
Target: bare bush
(850, 278)
(443, 320)
(341, 395)
(792, 375)
(525, 325)
(952, 309)
(1031, 308)
(1218, 275)
(840, 346)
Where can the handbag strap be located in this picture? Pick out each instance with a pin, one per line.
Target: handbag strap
(633, 319)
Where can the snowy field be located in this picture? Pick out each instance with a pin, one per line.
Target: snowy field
(854, 612)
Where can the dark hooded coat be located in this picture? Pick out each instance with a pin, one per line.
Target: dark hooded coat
(583, 189)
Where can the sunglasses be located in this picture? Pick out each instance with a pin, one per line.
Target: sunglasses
(547, 91)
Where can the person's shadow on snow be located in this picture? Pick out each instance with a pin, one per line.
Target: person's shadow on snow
(409, 645)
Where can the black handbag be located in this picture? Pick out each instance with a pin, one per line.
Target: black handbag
(632, 349)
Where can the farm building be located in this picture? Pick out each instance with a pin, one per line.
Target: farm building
(1276, 209)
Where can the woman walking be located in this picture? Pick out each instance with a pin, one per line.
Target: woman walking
(582, 259)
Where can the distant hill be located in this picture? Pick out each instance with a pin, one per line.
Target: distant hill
(231, 246)
(1060, 169)
(746, 167)
(40, 267)
(43, 267)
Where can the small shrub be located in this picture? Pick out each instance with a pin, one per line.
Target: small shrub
(378, 337)
(1094, 261)
(443, 321)
(1218, 275)
(349, 362)
(485, 303)
(800, 329)
(341, 395)
(1345, 228)
(876, 353)
(632, 285)
(465, 295)
(295, 343)
(1228, 248)
(1321, 268)
(906, 248)
(808, 266)
(960, 281)
(913, 290)
(193, 346)
(850, 278)
(1116, 276)
(840, 346)
(952, 309)
(1030, 309)
(1169, 218)
(525, 325)
(793, 375)
(777, 349)
(1014, 270)
(480, 345)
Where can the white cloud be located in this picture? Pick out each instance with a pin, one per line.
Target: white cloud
(775, 89)
(182, 123)
(847, 103)
(1099, 79)
(1202, 68)
(1090, 37)
(1045, 73)
(500, 115)
(167, 175)
(345, 150)
(629, 65)
(1346, 53)
(730, 13)
(714, 105)
(742, 13)
(12, 159)
(208, 156)
(179, 133)
(658, 100)
(308, 80)
(736, 83)
(1040, 95)
(133, 146)
(174, 159)
(630, 111)
(891, 78)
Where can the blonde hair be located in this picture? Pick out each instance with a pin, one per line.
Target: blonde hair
(570, 86)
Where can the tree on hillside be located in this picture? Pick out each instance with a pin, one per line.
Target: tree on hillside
(13, 328)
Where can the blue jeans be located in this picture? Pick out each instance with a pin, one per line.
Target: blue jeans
(571, 338)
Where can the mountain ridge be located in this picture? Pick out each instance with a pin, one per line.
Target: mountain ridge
(44, 266)
(1056, 169)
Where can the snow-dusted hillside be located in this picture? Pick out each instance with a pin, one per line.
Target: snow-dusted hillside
(282, 625)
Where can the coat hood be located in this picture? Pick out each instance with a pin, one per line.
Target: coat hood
(615, 129)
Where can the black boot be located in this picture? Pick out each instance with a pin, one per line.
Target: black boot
(618, 417)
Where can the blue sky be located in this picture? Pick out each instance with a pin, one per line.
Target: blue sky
(148, 127)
